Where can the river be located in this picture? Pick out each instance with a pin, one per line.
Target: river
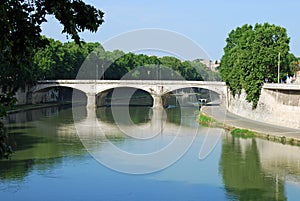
(54, 160)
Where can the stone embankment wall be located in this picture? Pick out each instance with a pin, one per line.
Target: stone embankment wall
(24, 96)
(278, 107)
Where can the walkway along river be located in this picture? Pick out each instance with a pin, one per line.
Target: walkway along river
(264, 130)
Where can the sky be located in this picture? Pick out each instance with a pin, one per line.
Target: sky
(207, 23)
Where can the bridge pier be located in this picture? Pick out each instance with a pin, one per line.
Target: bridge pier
(91, 100)
(157, 101)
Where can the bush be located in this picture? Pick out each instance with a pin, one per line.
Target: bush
(243, 133)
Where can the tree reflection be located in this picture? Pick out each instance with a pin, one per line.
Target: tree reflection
(242, 173)
(40, 142)
(138, 115)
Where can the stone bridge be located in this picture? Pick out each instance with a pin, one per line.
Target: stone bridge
(156, 88)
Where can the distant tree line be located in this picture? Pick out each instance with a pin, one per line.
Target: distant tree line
(59, 60)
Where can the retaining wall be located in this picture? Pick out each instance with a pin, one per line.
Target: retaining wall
(279, 107)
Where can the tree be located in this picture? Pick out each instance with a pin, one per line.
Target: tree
(203, 73)
(294, 63)
(251, 55)
(62, 60)
(20, 37)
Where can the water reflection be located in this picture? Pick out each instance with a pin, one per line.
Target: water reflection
(33, 115)
(39, 137)
(138, 115)
(243, 176)
(252, 169)
(280, 160)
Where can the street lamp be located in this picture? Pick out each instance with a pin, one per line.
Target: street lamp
(278, 68)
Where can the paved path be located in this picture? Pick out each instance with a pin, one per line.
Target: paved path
(222, 115)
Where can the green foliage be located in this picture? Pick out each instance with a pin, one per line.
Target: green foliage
(20, 37)
(5, 150)
(206, 74)
(243, 133)
(20, 24)
(207, 121)
(295, 64)
(251, 55)
(63, 60)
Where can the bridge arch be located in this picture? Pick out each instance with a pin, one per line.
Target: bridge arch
(210, 88)
(124, 95)
(57, 93)
(215, 91)
(41, 87)
(188, 96)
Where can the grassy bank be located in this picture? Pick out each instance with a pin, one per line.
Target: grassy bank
(208, 121)
(243, 133)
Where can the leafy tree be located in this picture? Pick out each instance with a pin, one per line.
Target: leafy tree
(204, 73)
(20, 23)
(20, 36)
(293, 63)
(62, 60)
(251, 55)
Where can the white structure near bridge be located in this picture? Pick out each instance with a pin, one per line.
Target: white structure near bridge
(156, 88)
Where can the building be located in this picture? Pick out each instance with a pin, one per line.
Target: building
(211, 65)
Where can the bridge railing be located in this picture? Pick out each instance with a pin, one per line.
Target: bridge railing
(167, 82)
(281, 86)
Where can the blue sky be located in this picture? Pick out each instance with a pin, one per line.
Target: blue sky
(205, 22)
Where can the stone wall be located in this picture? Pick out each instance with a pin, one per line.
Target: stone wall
(22, 95)
(278, 107)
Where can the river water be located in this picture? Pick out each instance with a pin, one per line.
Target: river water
(53, 162)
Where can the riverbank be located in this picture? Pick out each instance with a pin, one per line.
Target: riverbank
(230, 121)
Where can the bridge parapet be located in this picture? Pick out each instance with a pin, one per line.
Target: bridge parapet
(276, 86)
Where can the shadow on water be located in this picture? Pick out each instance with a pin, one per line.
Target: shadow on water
(19, 169)
(243, 176)
(138, 115)
(15, 170)
(21, 141)
(174, 115)
(34, 115)
(16, 127)
(212, 104)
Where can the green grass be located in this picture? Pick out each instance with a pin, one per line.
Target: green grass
(207, 121)
(243, 133)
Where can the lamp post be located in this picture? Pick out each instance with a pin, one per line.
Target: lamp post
(102, 69)
(278, 68)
